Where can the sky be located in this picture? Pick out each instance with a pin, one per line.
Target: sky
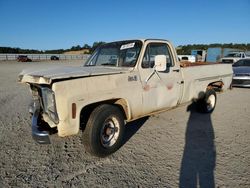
(56, 24)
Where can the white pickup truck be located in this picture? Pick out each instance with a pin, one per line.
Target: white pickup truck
(233, 57)
(105, 93)
(190, 58)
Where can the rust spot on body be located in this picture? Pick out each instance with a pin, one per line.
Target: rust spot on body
(169, 86)
(146, 87)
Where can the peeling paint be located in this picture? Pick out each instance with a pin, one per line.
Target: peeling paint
(169, 86)
(146, 87)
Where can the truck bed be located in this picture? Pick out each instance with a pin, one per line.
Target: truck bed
(190, 64)
(197, 77)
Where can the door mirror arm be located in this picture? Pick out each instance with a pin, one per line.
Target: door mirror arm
(150, 76)
(160, 65)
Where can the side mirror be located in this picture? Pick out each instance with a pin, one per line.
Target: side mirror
(160, 62)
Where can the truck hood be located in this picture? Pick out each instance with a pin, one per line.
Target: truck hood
(230, 58)
(48, 75)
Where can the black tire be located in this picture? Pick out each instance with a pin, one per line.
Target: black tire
(104, 131)
(208, 102)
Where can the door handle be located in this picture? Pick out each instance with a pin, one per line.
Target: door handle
(176, 70)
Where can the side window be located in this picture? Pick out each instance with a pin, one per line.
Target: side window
(154, 49)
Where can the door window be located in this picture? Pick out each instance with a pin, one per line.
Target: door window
(154, 49)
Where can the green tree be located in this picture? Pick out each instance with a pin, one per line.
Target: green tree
(96, 45)
(86, 46)
(186, 49)
(75, 48)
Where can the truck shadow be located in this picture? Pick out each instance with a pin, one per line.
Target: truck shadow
(199, 156)
(131, 128)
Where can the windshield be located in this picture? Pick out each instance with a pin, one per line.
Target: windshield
(119, 54)
(233, 55)
(243, 62)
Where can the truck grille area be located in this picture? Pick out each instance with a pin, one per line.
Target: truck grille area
(47, 106)
(240, 82)
(227, 61)
(243, 74)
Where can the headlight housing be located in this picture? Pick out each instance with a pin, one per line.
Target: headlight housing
(49, 104)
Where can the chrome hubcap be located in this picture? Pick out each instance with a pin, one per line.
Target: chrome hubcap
(110, 132)
(210, 102)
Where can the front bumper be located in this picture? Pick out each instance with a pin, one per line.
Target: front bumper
(241, 81)
(39, 135)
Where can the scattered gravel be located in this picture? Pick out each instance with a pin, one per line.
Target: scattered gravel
(177, 148)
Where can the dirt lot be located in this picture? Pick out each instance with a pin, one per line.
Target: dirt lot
(177, 148)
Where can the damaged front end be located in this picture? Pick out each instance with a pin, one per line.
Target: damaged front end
(43, 109)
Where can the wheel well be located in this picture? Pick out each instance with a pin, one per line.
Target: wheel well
(87, 110)
(217, 86)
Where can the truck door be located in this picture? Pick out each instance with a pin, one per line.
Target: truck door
(161, 90)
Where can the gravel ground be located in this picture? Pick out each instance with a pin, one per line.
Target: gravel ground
(178, 148)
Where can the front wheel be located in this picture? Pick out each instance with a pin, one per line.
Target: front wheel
(208, 102)
(104, 130)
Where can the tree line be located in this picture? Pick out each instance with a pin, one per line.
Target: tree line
(186, 49)
(56, 51)
(181, 50)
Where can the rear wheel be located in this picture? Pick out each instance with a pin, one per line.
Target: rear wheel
(104, 130)
(208, 102)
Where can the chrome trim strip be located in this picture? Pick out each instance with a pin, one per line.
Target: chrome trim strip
(214, 77)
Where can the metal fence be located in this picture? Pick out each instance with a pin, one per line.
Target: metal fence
(44, 56)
